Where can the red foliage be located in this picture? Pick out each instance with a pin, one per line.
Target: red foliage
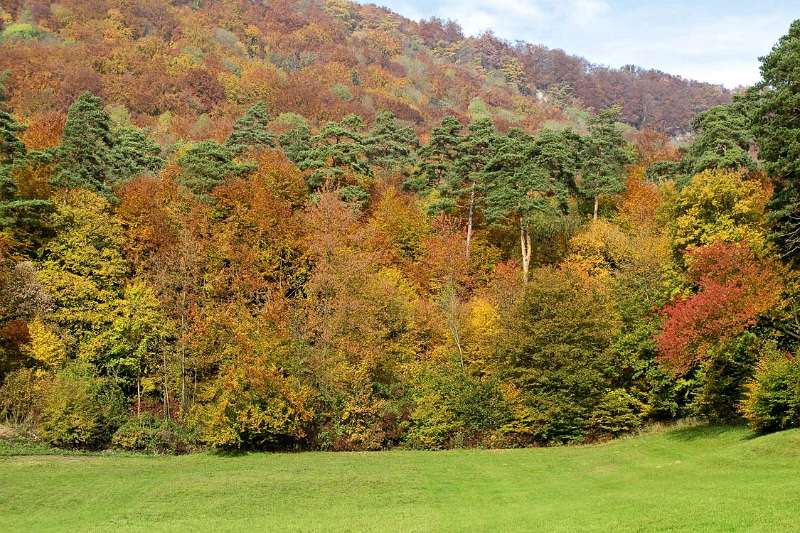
(735, 288)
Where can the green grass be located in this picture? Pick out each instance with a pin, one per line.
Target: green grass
(685, 479)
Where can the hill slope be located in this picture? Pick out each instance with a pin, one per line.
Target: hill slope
(189, 68)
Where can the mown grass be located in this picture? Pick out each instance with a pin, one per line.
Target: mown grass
(685, 479)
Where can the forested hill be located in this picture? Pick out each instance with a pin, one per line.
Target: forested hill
(190, 68)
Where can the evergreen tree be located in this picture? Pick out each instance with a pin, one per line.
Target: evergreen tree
(604, 156)
(250, 131)
(296, 144)
(776, 127)
(390, 145)
(520, 191)
(722, 140)
(21, 218)
(436, 159)
(208, 164)
(86, 145)
(461, 189)
(133, 154)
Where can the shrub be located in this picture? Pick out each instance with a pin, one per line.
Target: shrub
(772, 399)
(617, 412)
(152, 434)
(80, 409)
(453, 409)
(18, 397)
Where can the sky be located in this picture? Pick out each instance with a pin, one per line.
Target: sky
(717, 41)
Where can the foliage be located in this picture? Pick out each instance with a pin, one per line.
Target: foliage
(772, 400)
(80, 409)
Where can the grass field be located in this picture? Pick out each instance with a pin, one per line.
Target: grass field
(689, 479)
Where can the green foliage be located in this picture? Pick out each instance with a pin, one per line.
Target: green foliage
(152, 434)
(133, 154)
(21, 31)
(772, 400)
(604, 155)
(208, 164)
(616, 413)
(452, 408)
(390, 145)
(722, 140)
(776, 128)
(436, 159)
(80, 409)
(86, 147)
(555, 352)
(250, 131)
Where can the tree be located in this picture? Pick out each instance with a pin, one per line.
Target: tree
(776, 127)
(437, 158)
(722, 140)
(520, 192)
(604, 156)
(250, 131)
(462, 185)
(390, 145)
(132, 154)
(85, 151)
(734, 288)
(338, 155)
(555, 356)
(208, 164)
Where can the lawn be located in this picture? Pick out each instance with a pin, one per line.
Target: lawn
(687, 479)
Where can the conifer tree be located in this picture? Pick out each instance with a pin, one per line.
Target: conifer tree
(436, 159)
(250, 131)
(390, 145)
(208, 164)
(133, 154)
(521, 191)
(462, 186)
(86, 145)
(604, 156)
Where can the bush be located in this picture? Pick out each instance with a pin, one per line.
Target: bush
(18, 397)
(618, 412)
(152, 434)
(80, 409)
(772, 399)
(453, 409)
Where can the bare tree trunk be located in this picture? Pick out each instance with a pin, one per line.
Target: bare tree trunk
(469, 218)
(525, 247)
(595, 207)
(139, 394)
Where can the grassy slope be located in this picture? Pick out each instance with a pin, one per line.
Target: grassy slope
(692, 479)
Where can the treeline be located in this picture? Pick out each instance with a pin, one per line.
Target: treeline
(350, 287)
(187, 70)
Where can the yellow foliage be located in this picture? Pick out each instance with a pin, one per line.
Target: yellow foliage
(46, 347)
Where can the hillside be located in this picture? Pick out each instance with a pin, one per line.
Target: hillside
(690, 479)
(188, 69)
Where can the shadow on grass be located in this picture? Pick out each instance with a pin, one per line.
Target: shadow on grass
(688, 434)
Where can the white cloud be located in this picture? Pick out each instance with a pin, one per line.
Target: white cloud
(710, 40)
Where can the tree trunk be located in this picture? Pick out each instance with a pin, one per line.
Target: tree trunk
(139, 394)
(595, 207)
(525, 247)
(469, 218)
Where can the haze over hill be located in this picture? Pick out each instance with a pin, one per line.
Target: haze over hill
(188, 71)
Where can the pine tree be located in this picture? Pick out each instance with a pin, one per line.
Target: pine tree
(462, 186)
(605, 154)
(338, 155)
(390, 145)
(436, 159)
(208, 164)
(250, 131)
(133, 154)
(722, 140)
(85, 150)
(519, 190)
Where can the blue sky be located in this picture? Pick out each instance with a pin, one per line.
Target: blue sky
(710, 40)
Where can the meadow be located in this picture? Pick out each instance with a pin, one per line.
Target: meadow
(680, 479)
